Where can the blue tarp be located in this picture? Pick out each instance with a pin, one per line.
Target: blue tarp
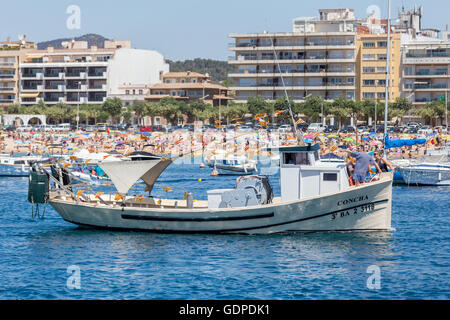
(388, 144)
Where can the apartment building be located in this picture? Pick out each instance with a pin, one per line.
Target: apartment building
(425, 70)
(189, 86)
(78, 74)
(11, 53)
(372, 63)
(317, 59)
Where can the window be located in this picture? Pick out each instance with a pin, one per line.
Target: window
(368, 57)
(369, 44)
(382, 56)
(141, 91)
(382, 44)
(368, 82)
(382, 69)
(381, 95)
(368, 95)
(300, 158)
(267, 56)
(127, 92)
(335, 81)
(330, 177)
(369, 70)
(351, 80)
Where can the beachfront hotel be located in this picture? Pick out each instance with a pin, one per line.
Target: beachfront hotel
(11, 53)
(317, 59)
(425, 72)
(78, 74)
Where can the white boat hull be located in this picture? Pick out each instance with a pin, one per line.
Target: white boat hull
(362, 209)
(425, 176)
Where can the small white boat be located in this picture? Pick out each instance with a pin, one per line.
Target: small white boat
(232, 165)
(432, 169)
(18, 166)
(426, 174)
(315, 197)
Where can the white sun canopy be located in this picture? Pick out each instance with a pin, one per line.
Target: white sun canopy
(124, 174)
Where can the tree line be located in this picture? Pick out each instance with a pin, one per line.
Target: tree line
(173, 110)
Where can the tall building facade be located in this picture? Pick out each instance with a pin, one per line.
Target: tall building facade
(372, 64)
(425, 70)
(11, 53)
(78, 74)
(317, 59)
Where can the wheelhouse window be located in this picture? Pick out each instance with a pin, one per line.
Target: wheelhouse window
(298, 158)
(330, 177)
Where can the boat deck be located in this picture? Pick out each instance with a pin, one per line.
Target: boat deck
(133, 202)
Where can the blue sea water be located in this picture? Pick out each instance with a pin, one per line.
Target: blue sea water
(35, 254)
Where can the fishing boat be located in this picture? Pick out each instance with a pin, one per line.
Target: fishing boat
(315, 197)
(12, 166)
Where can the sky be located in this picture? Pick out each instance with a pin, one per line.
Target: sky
(183, 29)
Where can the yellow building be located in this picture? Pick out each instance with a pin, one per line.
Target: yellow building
(371, 61)
(11, 53)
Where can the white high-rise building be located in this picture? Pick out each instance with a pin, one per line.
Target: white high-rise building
(318, 58)
(79, 75)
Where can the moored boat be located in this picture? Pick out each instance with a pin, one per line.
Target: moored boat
(315, 197)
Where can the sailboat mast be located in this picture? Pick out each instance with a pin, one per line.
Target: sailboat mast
(388, 58)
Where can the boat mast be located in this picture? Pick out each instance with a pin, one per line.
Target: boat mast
(386, 98)
(299, 140)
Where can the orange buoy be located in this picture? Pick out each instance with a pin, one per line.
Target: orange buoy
(202, 166)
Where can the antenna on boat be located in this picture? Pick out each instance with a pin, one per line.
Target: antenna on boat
(298, 135)
(386, 98)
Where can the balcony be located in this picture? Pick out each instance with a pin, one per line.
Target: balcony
(7, 76)
(76, 75)
(34, 76)
(98, 87)
(309, 45)
(7, 89)
(6, 100)
(430, 86)
(7, 65)
(428, 55)
(97, 74)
